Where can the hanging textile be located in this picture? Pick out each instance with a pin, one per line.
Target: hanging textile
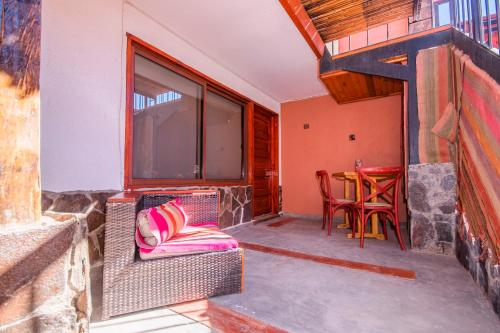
(434, 94)
(479, 151)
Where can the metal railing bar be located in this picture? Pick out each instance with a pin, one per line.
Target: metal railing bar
(469, 21)
(488, 21)
(463, 14)
(497, 5)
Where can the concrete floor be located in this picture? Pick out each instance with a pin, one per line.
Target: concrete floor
(303, 296)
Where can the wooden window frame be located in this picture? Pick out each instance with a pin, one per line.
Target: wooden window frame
(138, 46)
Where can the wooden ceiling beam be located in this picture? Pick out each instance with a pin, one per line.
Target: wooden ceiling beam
(374, 13)
(335, 19)
(304, 24)
(368, 13)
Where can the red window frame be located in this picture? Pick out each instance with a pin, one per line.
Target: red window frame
(138, 46)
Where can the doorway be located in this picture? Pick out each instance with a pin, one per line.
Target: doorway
(265, 162)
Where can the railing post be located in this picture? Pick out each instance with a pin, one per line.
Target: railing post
(488, 22)
(497, 5)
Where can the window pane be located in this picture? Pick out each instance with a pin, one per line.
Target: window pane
(167, 113)
(224, 144)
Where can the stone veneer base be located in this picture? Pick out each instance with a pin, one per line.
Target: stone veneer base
(484, 271)
(44, 277)
(432, 207)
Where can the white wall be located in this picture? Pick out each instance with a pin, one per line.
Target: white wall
(83, 88)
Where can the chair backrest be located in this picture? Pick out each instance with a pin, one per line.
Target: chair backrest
(384, 180)
(324, 184)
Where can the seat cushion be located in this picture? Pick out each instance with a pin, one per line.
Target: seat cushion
(158, 224)
(191, 240)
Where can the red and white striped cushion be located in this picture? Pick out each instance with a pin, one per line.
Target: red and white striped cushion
(158, 224)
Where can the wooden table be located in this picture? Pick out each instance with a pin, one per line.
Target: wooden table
(352, 177)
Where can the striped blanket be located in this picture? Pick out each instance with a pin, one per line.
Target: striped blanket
(479, 152)
(434, 94)
(190, 240)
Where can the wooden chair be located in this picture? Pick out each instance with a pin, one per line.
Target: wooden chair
(387, 194)
(330, 204)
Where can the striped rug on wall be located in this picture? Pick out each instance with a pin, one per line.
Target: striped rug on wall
(434, 94)
(479, 152)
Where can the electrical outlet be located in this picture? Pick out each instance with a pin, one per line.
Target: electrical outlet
(352, 137)
(306, 126)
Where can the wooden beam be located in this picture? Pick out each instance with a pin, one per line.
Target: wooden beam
(384, 270)
(335, 19)
(20, 45)
(222, 319)
(304, 24)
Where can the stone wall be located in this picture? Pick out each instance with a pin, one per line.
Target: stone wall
(432, 207)
(236, 205)
(483, 268)
(44, 276)
(90, 207)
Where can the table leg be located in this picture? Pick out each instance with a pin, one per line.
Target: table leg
(374, 216)
(358, 220)
(346, 215)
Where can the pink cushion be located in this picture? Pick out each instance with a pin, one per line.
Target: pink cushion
(158, 224)
(192, 239)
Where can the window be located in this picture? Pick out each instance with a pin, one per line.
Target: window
(224, 138)
(183, 128)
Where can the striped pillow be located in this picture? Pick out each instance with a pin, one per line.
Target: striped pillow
(158, 224)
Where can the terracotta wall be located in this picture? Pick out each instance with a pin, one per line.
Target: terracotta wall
(325, 144)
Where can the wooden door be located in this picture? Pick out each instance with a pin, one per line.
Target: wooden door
(265, 177)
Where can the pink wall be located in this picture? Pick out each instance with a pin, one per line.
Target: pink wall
(325, 145)
(374, 35)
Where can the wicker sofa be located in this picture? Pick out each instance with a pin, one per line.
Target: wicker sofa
(131, 284)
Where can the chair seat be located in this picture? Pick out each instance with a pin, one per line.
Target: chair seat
(343, 201)
(191, 240)
(375, 205)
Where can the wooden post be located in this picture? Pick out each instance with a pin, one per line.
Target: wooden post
(20, 111)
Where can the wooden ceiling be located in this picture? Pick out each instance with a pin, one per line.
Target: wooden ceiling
(348, 87)
(335, 19)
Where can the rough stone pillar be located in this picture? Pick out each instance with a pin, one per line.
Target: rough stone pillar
(19, 111)
(432, 206)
